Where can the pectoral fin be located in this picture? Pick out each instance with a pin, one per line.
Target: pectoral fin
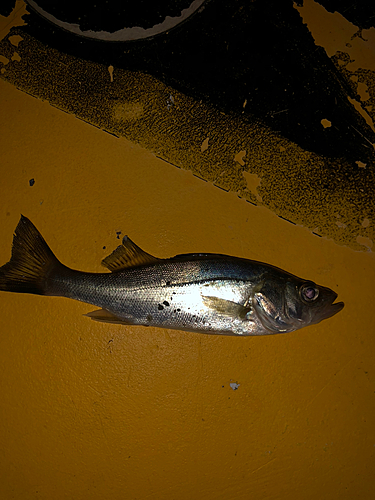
(226, 307)
(106, 317)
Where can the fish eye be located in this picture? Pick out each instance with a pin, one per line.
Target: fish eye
(309, 293)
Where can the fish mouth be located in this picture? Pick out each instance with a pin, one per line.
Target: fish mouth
(331, 307)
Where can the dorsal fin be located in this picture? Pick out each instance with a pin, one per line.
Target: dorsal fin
(127, 255)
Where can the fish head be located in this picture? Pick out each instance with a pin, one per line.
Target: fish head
(284, 304)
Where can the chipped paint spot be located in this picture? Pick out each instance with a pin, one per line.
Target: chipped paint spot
(110, 70)
(366, 223)
(239, 158)
(363, 113)
(329, 30)
(14, 19)
(362, 240)
(352, 47)
(253, 182)
(15, 39)
(234, 386)
(360, 164)
(362, 90)
(16, 57)
(4, 60)
(361, 51)
(326, 123)
(336, 34)
(204, 145)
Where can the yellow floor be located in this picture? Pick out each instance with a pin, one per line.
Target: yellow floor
(97, 411)
(103, 411)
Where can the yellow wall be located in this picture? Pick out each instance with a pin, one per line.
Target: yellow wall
(96, 411)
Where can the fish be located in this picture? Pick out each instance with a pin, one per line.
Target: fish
(199, 292)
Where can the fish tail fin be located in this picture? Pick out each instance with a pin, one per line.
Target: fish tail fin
(31, 263)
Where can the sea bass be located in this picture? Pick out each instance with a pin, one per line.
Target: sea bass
(206, 293)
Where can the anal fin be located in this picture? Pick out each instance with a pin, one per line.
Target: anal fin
(105, 316)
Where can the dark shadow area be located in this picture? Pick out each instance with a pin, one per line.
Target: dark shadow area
(254, 58)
